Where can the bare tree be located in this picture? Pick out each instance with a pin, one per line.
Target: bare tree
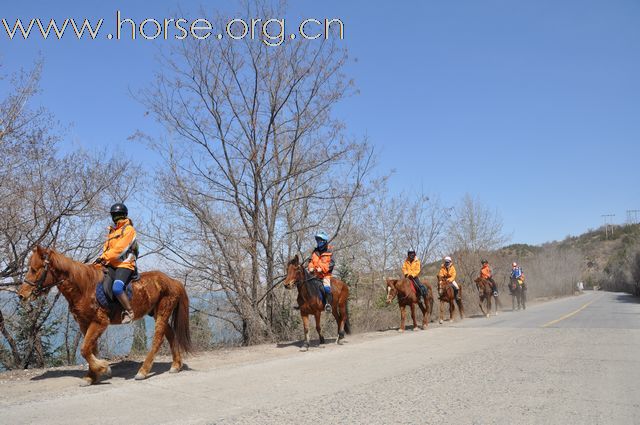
(50, 199)
(473, 231)
(254, 162)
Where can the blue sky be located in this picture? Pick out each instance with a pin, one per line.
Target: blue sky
(534, 106)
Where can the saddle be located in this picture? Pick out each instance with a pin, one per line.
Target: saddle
(105, 297)
(318, 287)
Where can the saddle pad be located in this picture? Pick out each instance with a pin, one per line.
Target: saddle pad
(105, 301)
(318, 287)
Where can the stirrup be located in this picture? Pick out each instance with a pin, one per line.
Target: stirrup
(126, 318)
(327, 308)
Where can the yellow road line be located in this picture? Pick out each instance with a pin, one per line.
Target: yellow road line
(566, 316)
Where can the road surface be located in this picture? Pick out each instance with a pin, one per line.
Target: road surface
(574, 360)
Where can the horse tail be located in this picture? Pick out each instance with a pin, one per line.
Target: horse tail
(347, 324)
(180, 322)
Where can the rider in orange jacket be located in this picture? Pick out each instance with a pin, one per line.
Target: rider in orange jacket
(487, 274)
(321, 265)
(448, 273)
(411, 270)
(119, 255)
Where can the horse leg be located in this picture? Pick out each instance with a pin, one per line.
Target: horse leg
(97, 367)
(403, 316)
(425, 315)
(441, 311)
(317, 315)
(482, 307)
(162, 314)
(341, 320)
(413, 316)
(176, 364)
(489, 305)
(452, 308)
(305, 325)
(460, 308)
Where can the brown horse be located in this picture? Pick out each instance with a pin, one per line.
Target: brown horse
(446, 295)
(154, 293)
(310, 301)
(407, 296)
(485, 291)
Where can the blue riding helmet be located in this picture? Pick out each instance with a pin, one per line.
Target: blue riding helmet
(322, 239)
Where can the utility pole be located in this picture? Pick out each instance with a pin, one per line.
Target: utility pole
(632, 216)
(607, 224)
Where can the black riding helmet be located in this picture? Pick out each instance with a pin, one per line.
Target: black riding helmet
(484, 262)
(411, 253)
(118, 211)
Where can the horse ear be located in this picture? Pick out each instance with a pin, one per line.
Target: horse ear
(296, 260)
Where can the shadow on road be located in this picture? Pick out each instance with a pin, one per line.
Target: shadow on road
(125, 369)
(314, 343)
(627, 299)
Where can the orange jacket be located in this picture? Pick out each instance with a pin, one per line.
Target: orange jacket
(322, 261)
(411, 268)
(447, 274)
(485, 272)
(120, 249)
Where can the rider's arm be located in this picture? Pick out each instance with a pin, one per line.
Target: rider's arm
(118, 246)
(452, 274)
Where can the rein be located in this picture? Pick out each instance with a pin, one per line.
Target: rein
(39, 283)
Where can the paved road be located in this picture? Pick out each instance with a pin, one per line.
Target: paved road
(568, 361)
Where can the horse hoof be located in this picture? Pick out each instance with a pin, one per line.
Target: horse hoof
(86, 382)
(401, 330)
(339, 341)
(440, 321)
(488, 316)
(174, 370)
(107, 373)
(415, 329)
(305, 347)
(140, 377)
(321, 340)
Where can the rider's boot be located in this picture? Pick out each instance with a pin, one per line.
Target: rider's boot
(127, 314)
(329, 299)
(455, 293)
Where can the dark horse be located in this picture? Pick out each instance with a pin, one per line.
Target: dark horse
(154, 293)
(485, 291)
(310, 300)
(407, 296)
(446, 296)
(518, 294)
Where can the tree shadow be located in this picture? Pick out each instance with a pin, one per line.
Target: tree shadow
(627, 299)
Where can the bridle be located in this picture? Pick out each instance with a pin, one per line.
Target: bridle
(39, 285)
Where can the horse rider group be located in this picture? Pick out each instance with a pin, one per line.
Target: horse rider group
(120, 252)
(447, 273)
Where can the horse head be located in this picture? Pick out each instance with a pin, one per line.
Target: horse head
(392, 291)
(442, 285)
(40, 277)
(295, 272)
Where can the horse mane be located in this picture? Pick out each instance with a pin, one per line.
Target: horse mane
(79, 273)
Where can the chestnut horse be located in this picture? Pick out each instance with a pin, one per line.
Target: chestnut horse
(407, 296)
(310, 301)
(485, 291)
(446, 296)
(154, 293)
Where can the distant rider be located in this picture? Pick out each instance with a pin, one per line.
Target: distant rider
(487, 274)
(518, 275)
(321, 265)
(447, 273)
(411, 270)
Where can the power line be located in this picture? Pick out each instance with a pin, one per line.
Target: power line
(632, 216)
